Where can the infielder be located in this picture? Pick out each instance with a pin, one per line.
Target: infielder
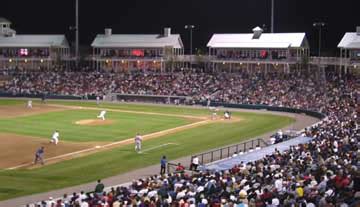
(97, 100)
(227, 115)
(214, 112)
(102, 115)
(55, 137)
(29, 104)
(138, 140)
(39, 156)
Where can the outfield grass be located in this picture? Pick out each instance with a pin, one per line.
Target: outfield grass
(164, 109)
(7, 102)
(125, 125)
(123, 159)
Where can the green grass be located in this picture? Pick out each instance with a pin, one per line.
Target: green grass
(7, 102)
(123, 159)
(125, 125)
(164, 109)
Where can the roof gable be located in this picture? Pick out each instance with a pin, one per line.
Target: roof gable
(137, 41)
(351, 40)
(266, 40)
(34, 41)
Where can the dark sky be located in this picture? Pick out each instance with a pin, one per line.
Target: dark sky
(209, 16)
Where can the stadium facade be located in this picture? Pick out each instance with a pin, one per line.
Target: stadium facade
(31, 51)
(350, 49)
(258, 50)
(128, 52)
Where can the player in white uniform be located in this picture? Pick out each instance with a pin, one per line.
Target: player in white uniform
(102, 115)
(227, 115)
(97, 100)
(29, 104)
(214, 112)
(138, 140)
(55, 137)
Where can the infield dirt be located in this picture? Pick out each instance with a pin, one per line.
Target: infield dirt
(94, 122)
(21, 110)
(18, 149)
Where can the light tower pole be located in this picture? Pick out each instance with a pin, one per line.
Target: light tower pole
(272, 15)
(319, 25)
(77, 33)
(190, 27)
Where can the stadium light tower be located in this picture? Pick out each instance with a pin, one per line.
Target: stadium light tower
(77, 33)
(190, 27)
(319, 25)
(272, 15)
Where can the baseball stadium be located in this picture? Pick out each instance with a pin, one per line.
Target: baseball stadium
(251, 118)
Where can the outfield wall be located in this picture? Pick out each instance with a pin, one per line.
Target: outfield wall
(164, 99)
(269, 108)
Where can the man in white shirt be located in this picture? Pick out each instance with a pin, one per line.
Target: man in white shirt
(195, 163)
(278, 183)
(55, 137)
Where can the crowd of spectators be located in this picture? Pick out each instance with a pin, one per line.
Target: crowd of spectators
(324, 172)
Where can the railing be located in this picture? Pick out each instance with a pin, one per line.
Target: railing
(229, 151)
(255, 59)
(326, 60)
(150, 98)
(130, 58)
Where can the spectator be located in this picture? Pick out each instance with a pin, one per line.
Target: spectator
(163, 163)
(99, 188)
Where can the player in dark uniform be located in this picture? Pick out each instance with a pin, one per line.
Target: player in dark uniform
(39, 155)
(43, 98)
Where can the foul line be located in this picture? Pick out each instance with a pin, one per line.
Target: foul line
(126, 141)
(156, 147)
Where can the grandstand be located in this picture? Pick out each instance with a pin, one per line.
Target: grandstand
(320, 170)
(31, 51)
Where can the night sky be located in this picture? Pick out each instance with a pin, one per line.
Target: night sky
(209, 16)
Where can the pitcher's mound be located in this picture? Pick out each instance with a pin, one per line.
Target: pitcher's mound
(94, 122)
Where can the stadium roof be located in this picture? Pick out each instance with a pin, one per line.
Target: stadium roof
(351, 40)
(3, 20)
(266, 40)
(137, 41)
(34, 41)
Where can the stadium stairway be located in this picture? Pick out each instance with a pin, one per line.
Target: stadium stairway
(255, 155)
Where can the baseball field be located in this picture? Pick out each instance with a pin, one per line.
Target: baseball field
(90, 148)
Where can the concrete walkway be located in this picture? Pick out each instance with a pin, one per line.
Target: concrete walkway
(301, 122)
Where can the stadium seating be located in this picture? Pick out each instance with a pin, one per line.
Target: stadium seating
(323, 172)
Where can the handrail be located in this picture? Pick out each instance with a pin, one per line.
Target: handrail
(228, 151)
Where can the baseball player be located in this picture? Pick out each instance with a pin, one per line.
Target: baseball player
(102, 115)
(227, 115)
(29, 104)
(39, 156)
(97, 100)
(138, 140)
(214, 112)
(55, 137)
